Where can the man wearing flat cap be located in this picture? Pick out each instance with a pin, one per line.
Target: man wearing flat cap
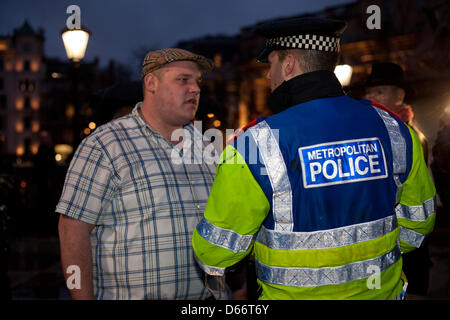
(127, 210)
(331, 191)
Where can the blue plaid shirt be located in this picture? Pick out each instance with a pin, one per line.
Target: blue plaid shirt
(145, 208)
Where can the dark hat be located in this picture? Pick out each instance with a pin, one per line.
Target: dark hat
(157, 59)
(300, 33)
(386, 74)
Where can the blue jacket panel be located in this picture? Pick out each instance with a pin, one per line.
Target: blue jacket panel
(339, 160)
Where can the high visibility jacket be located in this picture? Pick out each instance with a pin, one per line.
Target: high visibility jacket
(327, 195)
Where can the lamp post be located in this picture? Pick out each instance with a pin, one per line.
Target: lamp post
(75, 43)
(344, 74)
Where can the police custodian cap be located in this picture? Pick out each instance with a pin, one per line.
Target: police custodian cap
(307, 33)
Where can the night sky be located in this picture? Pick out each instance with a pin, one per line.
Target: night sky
(122, 27)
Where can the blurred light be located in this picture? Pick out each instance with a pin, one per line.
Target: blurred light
(58, 157)
(35, 148)
(70, 111)
(20, 150)
(218, 60)
(8, 66)
(35, 103)
(63, 149)
(19, 126)
(87, 131)
(19, 104)
(23, 184)
(217, 123)
(243, 114)
(92, 125)
(19, 66)
(447, 110)
(3, 46)
(56, 75)
(210, 115)
(75, 42)
(35, 126)
(35, 66)
(344, 74)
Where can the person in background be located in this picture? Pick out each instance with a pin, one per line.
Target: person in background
(127, 210)
(386, 85)
(441, 159)
(322, 192)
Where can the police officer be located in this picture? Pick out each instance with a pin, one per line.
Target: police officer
(328, 192)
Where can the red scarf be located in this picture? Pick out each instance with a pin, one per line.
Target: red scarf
(405, 113)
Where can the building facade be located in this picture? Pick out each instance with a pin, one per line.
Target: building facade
(21, 74)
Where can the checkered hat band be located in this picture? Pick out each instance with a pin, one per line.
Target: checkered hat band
(307, 42)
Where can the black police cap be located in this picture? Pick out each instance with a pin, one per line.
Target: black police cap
(308, 33)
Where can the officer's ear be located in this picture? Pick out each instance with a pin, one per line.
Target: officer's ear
(289, 66)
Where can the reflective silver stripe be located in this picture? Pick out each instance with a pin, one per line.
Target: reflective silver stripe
(326, 239)
(411, 237)
(398, 146)
(224, 238)
(213, 271)
(313, 277)
(272, 158)
(416, 213)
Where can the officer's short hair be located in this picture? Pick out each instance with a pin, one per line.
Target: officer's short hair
(312, 60)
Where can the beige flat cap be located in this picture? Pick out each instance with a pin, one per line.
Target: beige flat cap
(159, 58)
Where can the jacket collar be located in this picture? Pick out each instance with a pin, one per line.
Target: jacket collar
(303, 88)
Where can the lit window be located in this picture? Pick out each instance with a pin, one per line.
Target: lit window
(19, 66)
(35, 126)
(35, 66)
(20, 150)
(19, 126)
(19, 104)
(218, 60)
(35, 103)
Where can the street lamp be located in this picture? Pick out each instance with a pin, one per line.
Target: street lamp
(75, 43)
(344, 74)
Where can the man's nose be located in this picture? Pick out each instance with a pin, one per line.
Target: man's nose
(195, 88)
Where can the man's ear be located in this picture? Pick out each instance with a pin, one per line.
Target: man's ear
(288, 66)
(150, 82)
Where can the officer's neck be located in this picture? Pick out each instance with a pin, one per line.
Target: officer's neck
(303, 88)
